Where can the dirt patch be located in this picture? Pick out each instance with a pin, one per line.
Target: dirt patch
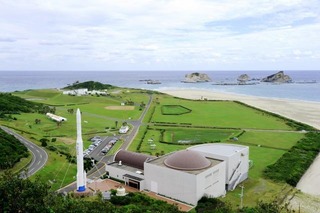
(119, 107)
(66, 140)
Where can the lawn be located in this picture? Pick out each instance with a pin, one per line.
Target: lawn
(153, 137)
(174, 110)
(218, 114)
(277, 140)
(57, 172)
(193, 135)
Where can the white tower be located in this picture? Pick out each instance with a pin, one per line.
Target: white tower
(81, 174)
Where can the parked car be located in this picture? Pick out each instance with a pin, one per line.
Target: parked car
(91, 147)
(96, 143)
(105, 150)
(95, 138)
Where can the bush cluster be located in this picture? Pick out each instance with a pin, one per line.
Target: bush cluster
(293, 164)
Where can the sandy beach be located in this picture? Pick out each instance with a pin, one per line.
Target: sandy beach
(302, 111)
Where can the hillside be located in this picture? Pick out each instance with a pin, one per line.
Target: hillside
(11, 150)
(90, 85)
(10, 104)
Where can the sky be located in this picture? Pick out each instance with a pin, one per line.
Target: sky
(160, 35)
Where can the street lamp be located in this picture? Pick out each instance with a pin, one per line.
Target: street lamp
(241, 197)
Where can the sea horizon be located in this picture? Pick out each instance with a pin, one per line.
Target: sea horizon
(11, 81)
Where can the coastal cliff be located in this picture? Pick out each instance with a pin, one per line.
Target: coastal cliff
(279, 77)
(196, 78)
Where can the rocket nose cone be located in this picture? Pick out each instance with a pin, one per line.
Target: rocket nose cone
(78, 111)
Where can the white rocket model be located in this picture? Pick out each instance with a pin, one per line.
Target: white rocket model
(81, 174)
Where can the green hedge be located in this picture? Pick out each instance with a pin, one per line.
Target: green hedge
(174, 110)
(293, 164)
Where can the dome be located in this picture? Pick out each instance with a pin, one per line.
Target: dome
(121, 191)
(187, 160)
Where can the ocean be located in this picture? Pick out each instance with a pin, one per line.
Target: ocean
(301, 90)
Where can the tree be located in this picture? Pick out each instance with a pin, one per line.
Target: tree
(37, 121)
(22, 195)
(44, 142)
(116, 123)
(71, 111)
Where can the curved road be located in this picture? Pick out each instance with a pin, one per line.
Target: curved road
(39, 158)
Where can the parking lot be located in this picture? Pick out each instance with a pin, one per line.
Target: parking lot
(100, 147)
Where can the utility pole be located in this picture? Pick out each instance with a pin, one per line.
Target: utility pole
(241, 197)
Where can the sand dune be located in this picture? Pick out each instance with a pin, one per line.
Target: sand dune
(302, 111)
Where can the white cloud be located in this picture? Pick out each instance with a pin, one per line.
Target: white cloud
(203, 34)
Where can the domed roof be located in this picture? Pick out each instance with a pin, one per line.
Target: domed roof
(132, 159)
(187, 160)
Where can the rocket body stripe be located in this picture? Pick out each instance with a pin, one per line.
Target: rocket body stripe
(81, 175)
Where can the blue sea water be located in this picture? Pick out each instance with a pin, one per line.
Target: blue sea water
(22, 80)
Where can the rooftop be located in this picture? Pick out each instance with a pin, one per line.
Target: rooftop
(132, 159)
(218, 148)
(160, 161)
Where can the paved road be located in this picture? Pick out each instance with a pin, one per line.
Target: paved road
(39, 158)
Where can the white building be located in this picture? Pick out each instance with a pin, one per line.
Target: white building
(96, 92)
(56, 117)
(186, 175)
(123, 129)
(76, 92)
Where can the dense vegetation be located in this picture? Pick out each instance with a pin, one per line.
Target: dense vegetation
(208, 205)
(293, 164)
(10, 104)
(90, 85)
(11, 150)
(19, 195)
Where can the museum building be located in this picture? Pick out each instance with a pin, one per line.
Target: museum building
(187, 175)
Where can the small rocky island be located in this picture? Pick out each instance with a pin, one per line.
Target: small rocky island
(279, 77)
(243, 78)
(196, 78)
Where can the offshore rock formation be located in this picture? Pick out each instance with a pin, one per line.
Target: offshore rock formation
(279, 77)
(196, 77)
(243, 78)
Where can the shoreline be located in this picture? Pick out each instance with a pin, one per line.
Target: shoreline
(301, 111)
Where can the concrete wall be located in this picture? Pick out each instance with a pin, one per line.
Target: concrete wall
(184, 186)
(171, 183)
(118, 172)
(211, 182)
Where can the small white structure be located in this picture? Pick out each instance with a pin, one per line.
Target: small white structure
(121, 191)
(123, 129)
(56, 117)
(187, 175)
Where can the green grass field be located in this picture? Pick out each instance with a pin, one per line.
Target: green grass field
(218, 114)
(192, 135)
